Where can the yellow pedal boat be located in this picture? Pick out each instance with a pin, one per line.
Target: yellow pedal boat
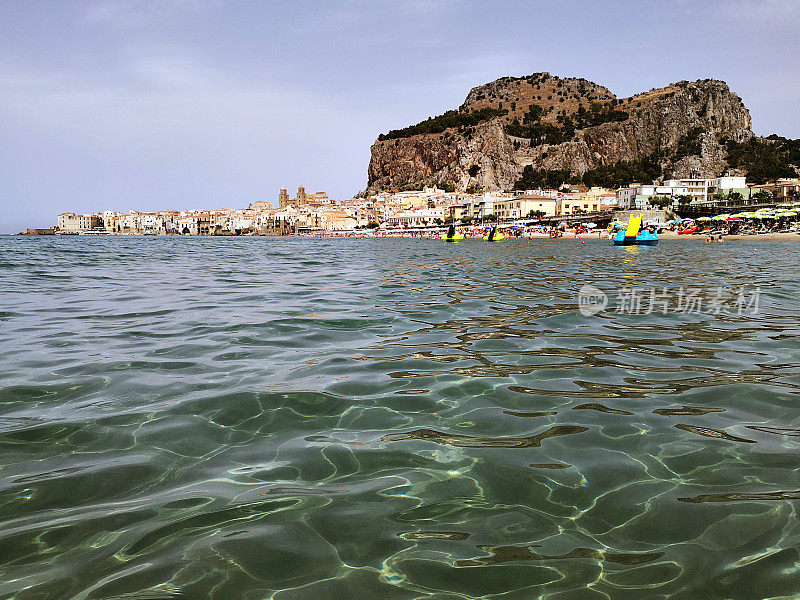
(493, 236)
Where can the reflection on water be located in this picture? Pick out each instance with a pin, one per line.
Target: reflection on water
(688, 410)
(739, 497)
(601, 408)
(466, 441)
(713, 433)
(434, 535)
(502, 554)
(272, 418)
(532, 413)
(790, 431)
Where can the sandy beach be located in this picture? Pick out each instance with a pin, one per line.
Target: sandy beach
(763, 237)
(672, 235)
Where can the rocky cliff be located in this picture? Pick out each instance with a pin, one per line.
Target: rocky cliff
(566, 125)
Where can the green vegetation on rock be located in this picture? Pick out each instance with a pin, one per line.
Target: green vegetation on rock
(690, 144)
(622, 173)
(449, 120)
(539, 179)
(765, 159)
(539, 133)
(598, 113)
(616, 175)
(446, 186)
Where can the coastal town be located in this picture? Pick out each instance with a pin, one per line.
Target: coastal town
(432, 208)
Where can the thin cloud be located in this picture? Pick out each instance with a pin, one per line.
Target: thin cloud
(360, 12)
(156, 95)
(136, 12)
(777, 12)
(402, 6)
(177, 115)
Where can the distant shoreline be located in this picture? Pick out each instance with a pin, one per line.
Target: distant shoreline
(663, 236)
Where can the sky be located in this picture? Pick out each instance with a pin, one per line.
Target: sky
(175, 104)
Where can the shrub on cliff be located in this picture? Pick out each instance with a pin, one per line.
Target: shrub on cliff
(540, 179)
(597, 114)
(448, 120)
(616, 175)
(622, 173)
(765, 159)
(446, 186)
(690, 144)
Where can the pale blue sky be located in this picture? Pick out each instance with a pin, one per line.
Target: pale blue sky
(151, 104)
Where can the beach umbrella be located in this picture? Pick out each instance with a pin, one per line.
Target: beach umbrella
(704, 219)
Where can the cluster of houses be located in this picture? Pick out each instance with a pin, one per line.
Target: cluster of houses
(310, 212)
(700, 190)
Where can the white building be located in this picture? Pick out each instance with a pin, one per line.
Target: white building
(522, 206)
(417, 218)
(637, 195)
(482, 207)
(72, 223)
(337, 220)
(548, 193)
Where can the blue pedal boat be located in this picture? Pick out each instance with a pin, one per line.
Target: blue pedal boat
(634, 235)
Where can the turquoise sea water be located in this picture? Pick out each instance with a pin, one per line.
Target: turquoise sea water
(368, 419)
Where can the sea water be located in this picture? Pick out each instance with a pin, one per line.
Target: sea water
(362, 419)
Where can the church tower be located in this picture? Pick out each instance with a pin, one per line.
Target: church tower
(301, 196)
(283, 198)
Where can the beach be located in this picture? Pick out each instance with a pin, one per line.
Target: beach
(761, 237)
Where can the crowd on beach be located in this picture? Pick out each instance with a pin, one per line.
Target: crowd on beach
(773, 222)
(470, 232)
(712, 232)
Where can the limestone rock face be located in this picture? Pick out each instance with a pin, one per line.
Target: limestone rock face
(656, 124)
(485, 159)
